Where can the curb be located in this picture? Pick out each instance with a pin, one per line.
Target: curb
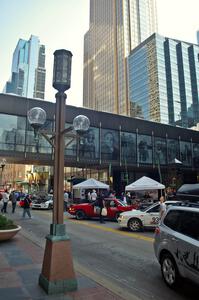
(86, 272)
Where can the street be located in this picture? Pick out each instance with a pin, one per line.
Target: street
(124, 260)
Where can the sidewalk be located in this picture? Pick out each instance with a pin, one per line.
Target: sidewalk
(20, 266)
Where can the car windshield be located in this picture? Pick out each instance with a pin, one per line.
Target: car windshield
(144, 207)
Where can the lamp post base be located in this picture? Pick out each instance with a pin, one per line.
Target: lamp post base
(57, 275)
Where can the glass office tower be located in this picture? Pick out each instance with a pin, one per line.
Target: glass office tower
(163, 81)
(28, 69)
(116, 27)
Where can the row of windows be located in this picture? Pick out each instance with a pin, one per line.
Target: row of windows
(104, 144)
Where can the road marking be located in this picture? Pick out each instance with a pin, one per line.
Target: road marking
(117, 231)
(108, 284)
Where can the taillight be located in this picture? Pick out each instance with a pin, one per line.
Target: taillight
(157, 230)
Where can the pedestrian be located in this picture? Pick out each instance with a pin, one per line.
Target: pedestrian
(13, 198)
(66, 200)
(20, 195)
(112, 194)
(162, 206)
(5, 198)
(26, 206)
(93, 196)
(124, 198)
(89, 196)
(101, 204)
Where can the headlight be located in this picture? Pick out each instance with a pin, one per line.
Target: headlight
(121, 217)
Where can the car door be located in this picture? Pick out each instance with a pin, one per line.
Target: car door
(91, 210)
(151, 217)
(187, 248)
(111, 208)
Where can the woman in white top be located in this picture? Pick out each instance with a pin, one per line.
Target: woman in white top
(5, 201)
(162, 206)
(93, 195)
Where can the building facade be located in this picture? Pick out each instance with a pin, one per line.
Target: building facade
(28, 71)
(163, 81)
(116, 27)
(125, 148)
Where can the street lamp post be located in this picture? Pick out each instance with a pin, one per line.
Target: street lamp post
(57, 275)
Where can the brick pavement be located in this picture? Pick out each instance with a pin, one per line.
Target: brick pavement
(20, 266)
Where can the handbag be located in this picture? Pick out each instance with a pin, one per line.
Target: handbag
(21, 203)
(104, 211)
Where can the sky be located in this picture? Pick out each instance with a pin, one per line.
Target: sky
(61, 24)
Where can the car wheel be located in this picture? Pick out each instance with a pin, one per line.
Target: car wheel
(134, 224)
(169, 270)
(80, 215)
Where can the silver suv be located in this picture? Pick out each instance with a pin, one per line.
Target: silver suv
(176, 243)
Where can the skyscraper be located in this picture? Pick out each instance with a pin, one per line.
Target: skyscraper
(116, 27)
(28, 69)
(163, 80)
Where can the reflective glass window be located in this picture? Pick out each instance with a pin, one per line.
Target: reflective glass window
(172, 219)
(160, 151)
(36, 143)
(109, 144)
(70, 139)
(144, 148)
(89, 144)
(196, 155)
(189, 224)
(128, 147)
(173, 150)
(12, 132)
(44, 145)
(185, 153)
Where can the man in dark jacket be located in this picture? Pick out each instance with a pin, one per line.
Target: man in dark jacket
(13, 198)
(26, 207)
(101, 204)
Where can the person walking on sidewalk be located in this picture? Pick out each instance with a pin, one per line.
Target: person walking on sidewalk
(13, 198)
(26, 207)
(5, 199)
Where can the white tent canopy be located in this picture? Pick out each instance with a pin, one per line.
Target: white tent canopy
(144, 183)
(91, 184)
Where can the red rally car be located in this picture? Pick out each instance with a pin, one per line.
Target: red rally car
(86, 210)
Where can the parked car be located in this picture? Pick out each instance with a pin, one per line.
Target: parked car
(188, 192)
(139, 219)
(43, 203)
(176, 244)
(86, 210)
